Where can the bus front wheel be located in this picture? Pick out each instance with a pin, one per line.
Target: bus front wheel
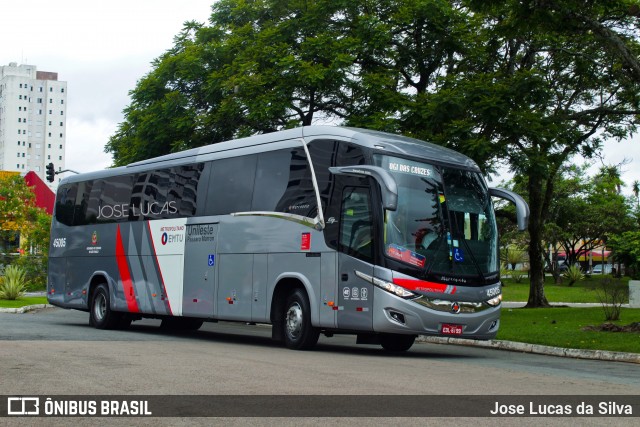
(298, 332)
(397, 343)
(101, 316)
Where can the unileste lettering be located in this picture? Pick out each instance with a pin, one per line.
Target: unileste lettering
(200, 230)
(200, 233)
(144, 209)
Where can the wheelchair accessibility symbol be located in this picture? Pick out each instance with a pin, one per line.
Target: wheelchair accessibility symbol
(457, 255)
(212, 260)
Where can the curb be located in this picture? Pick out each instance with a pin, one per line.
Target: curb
(25, 309)
(613, 356)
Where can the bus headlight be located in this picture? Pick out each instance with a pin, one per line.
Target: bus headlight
(495, 301)
(387, 286)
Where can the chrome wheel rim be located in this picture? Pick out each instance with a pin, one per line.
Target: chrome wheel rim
(100, 306)
(293, 321)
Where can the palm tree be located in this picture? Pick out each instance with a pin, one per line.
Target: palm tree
(512, 255)
(610, 177)
(635, 187)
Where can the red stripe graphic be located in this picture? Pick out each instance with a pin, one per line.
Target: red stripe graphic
(155, 257)
(424, 286)
(125, 274)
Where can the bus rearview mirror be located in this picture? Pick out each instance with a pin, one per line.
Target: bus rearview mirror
(522, 208)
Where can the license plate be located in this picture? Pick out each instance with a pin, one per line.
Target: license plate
(448, 329)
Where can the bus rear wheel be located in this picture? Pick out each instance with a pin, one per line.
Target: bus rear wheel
(100, 315)
(298, 332)
(397, 343)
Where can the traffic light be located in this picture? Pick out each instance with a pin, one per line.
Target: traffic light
(50, 172)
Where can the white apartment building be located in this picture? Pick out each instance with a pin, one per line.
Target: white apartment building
(33, 120)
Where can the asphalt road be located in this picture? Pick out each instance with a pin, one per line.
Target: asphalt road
(56, 352)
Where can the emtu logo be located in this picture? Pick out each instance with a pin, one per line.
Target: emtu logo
(165, 238)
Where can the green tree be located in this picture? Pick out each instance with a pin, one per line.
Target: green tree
(626, 249)
(592, 213)
(541, 90)
(18, 212)
(260, 66)
(20, 217)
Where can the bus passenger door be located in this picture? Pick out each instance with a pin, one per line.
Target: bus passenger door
(355, 295)
(200, 263)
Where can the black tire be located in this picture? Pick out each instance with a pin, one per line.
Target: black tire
(298, 332)
(181, 323)
(397, 343)
(100, 314)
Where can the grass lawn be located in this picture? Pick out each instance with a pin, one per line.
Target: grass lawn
(562, 327)
(584, 291)
(21, 302)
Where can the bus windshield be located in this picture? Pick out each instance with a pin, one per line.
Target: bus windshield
(444, 222)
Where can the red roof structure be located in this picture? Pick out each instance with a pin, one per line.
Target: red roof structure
(45, 198)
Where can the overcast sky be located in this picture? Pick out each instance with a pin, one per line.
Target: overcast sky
(102, 48)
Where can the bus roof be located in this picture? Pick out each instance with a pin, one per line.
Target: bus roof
(382, 142)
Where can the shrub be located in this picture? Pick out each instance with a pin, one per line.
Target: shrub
(13, 283)
(35, 268)
(573, 274)
(512, 255)
(612, 295)
(518, 275)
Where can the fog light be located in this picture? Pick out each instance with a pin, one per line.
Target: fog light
(398, 317)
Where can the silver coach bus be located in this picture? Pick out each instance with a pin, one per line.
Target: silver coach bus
(313, 230)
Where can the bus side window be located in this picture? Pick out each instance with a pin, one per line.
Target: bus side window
(272, 178)
(231, 185)
(184, 189)
(356, 223)
(80, 217)
(283, 183)
(299, 196)
(65, 203)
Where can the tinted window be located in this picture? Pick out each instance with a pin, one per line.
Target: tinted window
(184, 188)
(272, 180)
(161, 194)
(444, 221)
(109, 199)
(356, 233)
(324, 154)
(166, 193)
(231, 185)
(65, 203)
(283, 183)
(299, 197)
